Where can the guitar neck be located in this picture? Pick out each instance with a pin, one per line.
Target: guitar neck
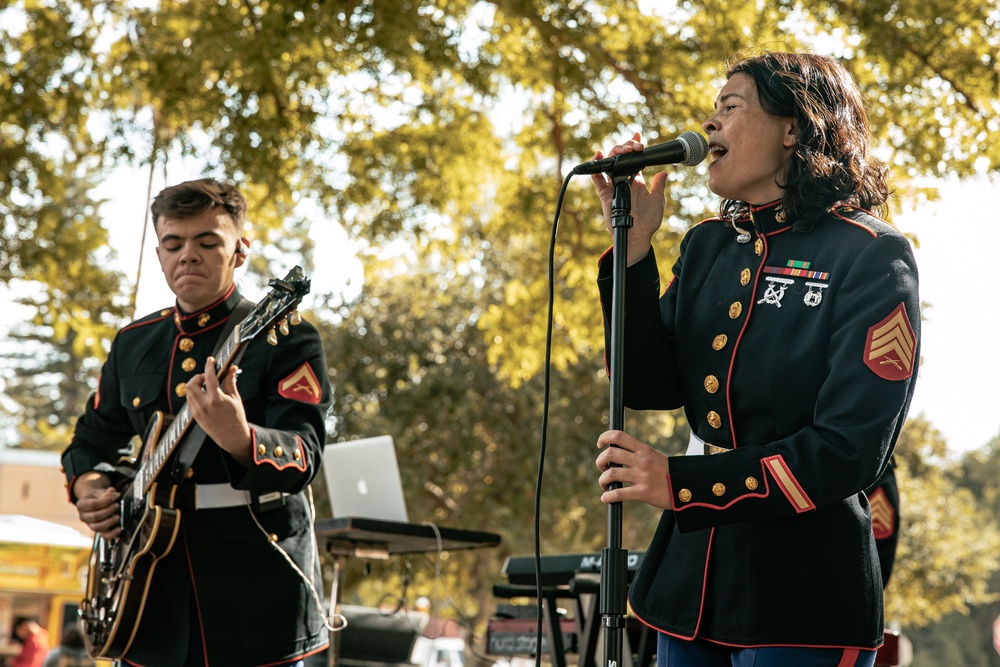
(179, 427)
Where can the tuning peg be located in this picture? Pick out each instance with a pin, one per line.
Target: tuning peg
(272, 337)
(296, 317)
(283, 325)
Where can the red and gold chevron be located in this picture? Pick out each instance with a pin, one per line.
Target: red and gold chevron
(301, 385)
(883, 515)
(891, 346)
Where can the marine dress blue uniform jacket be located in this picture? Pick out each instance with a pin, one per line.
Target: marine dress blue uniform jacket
(794, 354)
(224, 579)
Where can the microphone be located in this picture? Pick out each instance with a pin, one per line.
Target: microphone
(689, 148)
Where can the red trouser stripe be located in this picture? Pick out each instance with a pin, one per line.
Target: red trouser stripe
(850, 657)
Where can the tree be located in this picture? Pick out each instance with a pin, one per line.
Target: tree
(948, 545)
(963, 637)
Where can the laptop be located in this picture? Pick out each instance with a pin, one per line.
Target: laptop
(362, 479)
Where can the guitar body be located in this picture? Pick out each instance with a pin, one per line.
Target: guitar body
(121, 569)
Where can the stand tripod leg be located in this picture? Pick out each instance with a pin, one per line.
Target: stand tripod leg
(553, 632)
(333, 653)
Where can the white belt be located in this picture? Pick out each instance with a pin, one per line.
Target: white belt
(214, 496)
(698, 447)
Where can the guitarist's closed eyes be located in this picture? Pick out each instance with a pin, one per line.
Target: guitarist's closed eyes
(216, 493)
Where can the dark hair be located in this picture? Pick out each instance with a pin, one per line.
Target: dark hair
(832, 163)
(191, 198)
(72, 637)
(18, 622)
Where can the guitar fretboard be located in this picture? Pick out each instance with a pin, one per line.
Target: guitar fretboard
(152, 465)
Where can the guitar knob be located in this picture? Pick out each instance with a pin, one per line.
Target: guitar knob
(283, 326)
(296, 317)
(272, 337)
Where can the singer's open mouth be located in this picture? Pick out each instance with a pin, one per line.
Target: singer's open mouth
(716, 151)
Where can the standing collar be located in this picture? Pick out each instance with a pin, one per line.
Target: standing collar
(770, 218)
(209, 316)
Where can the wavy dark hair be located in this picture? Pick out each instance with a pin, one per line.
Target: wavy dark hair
(191, 198)
(832, 163)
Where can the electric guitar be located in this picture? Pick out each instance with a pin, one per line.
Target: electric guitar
(122, 568)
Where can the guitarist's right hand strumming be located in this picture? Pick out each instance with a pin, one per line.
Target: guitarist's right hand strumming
(97, 503)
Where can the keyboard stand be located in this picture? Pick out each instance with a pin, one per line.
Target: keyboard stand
(376, 539)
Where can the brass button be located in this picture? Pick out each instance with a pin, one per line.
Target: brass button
(189, 364)
(720, 341)
(718, 488)
(203, 319)
(297, 454)
(164, 312)
(711, 384)
(751, 483)
(714, 420)
(261, 449)
(758, 247)
(735, 309)
(278, 451)
(186, 345)
(136, 401)
(745, 277)
(181, 389)
(684, 495)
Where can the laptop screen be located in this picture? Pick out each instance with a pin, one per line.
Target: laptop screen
(362, 479)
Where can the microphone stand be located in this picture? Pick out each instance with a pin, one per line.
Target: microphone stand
(614, 559)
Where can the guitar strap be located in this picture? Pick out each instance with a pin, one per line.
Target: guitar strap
(188, 450)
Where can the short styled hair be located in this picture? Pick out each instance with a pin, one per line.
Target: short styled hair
(191, 198)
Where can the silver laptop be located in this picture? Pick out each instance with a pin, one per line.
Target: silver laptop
(362, 479)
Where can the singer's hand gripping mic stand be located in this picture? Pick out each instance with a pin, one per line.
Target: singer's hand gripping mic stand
(614, 559)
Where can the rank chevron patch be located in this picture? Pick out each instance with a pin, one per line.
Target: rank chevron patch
(301, 385)
(883, 515)
(891, 346)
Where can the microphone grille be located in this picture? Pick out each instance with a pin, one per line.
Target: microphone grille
(697, 147)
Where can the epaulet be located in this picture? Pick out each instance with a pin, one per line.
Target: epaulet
(152, 318)
(866, 220)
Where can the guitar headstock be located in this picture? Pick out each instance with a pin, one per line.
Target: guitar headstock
(274, 309)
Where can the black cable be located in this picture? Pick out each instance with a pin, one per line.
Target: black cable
(545, 423)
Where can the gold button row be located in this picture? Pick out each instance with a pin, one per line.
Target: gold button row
(279, 451)
(718, 489)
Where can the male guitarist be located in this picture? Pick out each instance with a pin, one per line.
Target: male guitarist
(224, 594)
